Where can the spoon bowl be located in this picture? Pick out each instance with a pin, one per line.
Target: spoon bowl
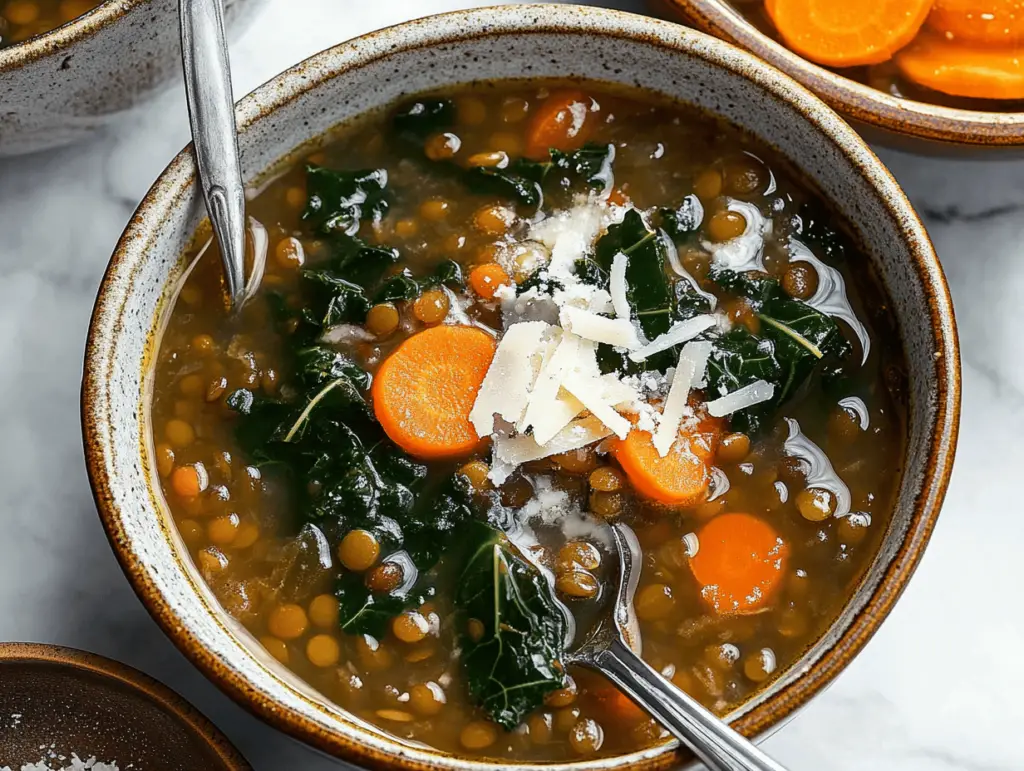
(613, 649)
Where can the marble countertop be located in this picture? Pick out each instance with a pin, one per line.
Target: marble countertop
(937, 688)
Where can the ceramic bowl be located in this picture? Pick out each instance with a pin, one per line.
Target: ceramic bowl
(507, 42)
(903, 123)
(56, 702)
(64, 86)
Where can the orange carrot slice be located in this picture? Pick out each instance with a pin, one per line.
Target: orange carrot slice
(847, 33)
(424, 390)
(485, 279)
(564, 121)
(682, 477)
(739, 563)
(991, 22)
(617, 707)
(963, 69)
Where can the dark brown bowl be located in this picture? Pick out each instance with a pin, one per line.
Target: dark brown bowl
(55, 702)
(904, 123)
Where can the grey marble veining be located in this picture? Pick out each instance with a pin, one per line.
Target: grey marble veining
(939, 686)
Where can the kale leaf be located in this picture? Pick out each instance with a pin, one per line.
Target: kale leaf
(337, 201)
(405, 286)
(648, 287)
(793, 339)
(512, 630)
(682, 222)
(417, 120)
(521, 180)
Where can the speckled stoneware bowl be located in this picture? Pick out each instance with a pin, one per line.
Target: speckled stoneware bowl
(544, 40)
(904, 123)
(56, 702)
(64, 86)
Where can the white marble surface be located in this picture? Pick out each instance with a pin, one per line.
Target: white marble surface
(938, 688)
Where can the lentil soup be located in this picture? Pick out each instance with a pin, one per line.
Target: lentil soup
(24, 19)
(491, 322)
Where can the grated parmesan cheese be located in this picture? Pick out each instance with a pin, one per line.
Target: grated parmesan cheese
(617, 285)
(681, 332)
(590, 392)
(692, 361)
(601, 329)
(755, 393)
(544, 413)
(506, 388)
(510, 452)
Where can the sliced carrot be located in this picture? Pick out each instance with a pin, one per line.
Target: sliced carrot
(424, 390)
(564, 121)
(963, 69)
(682, 477)
(992, 22)
(847, 33)
(739, 564)
(616, 706)
(485, 279)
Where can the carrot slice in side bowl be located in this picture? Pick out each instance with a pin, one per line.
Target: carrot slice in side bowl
(962, 69)
(424, 391)
(740, 563)
(847, 33)
(991, 22)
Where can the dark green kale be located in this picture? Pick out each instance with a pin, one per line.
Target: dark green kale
(417, 120)
(512, 631)
(683, 222)
(648, 288)
(337, 201)
(405, 286)
(794, 338)
(524, 180)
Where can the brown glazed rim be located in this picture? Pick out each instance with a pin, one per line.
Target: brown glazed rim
(167, 700)
(354, 744)
(855, 100)
(58, 40)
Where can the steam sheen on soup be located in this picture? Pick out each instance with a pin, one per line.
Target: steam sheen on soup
(493, 321)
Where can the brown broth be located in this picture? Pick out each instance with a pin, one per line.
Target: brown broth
(242, 532)
(887, 75)
(24, 19)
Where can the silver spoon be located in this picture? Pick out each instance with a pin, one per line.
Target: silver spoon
(211, 110)
(612, 649)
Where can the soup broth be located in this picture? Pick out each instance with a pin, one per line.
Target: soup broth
(956, 53)
(24, 19)
(338, 505)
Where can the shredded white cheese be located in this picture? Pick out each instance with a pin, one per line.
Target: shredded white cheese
(692, 361)
(748, 396)
(590, 392)
(544, 414)
(601, 329)
(569, 234)
(510, 452)
(680, 332)
(617, 285)
(510, 378)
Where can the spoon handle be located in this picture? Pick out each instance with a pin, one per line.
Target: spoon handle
(211, 110)
(717, 745)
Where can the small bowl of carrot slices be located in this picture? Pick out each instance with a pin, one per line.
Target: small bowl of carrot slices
(946, 71)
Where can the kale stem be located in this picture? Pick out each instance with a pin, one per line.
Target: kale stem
(311, 406)
(791, 333)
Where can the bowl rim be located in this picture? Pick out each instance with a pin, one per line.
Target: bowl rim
(77, 661)
(856, 101)
(169, 189)
(59, 39)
